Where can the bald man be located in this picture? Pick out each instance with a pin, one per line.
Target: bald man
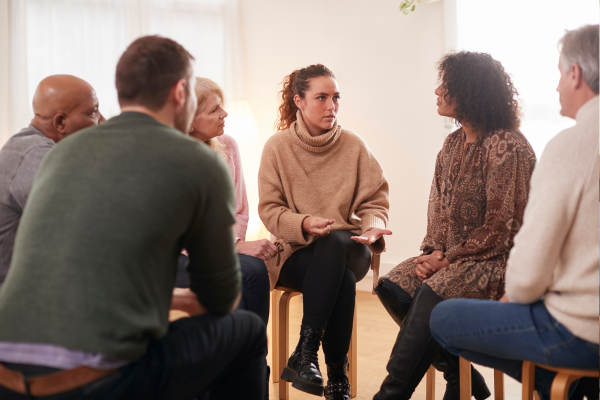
(62, 104)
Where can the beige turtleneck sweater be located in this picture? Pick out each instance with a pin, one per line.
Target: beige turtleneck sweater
(555, 256)
(333, 176)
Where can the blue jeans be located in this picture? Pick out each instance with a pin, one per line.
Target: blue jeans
(255, 284)
(501, 335)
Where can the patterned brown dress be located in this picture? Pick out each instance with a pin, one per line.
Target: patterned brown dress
(478, 197)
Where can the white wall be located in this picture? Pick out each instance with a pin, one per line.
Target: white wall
(384, 62)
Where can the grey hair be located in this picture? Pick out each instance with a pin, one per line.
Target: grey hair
(580, 46)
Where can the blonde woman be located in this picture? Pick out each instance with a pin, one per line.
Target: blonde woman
(208, 126)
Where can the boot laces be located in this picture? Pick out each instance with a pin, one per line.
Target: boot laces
(309, 351)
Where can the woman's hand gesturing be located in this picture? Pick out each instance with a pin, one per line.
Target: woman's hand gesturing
(371, 236)
(317, 225)
(262, 249)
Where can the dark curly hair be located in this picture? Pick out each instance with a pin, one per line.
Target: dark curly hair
(482, 91)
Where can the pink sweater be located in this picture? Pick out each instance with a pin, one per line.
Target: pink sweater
(241, 197)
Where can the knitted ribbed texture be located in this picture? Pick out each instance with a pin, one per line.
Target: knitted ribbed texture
(316, 144)
(555, 255)
(332, 176)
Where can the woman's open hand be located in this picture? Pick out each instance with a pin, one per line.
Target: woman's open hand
(430, 264)
(317, 225)
(262, 249)
(371, 236)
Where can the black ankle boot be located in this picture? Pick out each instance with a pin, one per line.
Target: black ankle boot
(414, 349)
(448, 364)
(338, 386)
(391, 303)
(302, 368)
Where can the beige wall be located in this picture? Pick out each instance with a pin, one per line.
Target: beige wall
(384, 62)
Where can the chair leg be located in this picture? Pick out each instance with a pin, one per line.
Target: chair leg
(498, 385)
(430, 384)
(353, 355)
(275, 334)
(465, 379)
(284, 340)
(560, 386)
(528, 380)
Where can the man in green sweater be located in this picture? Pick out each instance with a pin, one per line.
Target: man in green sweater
(84, 308)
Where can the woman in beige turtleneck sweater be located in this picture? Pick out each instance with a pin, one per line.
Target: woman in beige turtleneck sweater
(324, 198)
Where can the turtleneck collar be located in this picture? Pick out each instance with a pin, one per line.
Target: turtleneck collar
(316, 144)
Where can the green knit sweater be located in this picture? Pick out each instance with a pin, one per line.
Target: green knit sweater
(96, 252)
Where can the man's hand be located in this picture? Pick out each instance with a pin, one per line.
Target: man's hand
(262, 249)
(371, 236)
(430, 264)
(185, 300)
(317, 225)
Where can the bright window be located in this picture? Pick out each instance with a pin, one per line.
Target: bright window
(523, 36)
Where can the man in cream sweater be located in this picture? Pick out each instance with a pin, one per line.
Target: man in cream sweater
(549, 314)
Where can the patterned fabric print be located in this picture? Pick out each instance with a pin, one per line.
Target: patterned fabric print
(476, 206)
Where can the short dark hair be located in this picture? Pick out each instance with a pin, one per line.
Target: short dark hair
(483, 91)
(148, 69)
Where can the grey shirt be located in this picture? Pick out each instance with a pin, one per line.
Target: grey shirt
(20, 159)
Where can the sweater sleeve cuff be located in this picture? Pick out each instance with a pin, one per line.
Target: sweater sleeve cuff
(291, 228)
(370, 221)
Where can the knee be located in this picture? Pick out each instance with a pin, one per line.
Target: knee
(254, 272)
(253, 327)
(440, 321)
(336, 241)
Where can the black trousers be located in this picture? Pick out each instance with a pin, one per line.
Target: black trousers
(326, 274)
(206, 356)
(255, 284)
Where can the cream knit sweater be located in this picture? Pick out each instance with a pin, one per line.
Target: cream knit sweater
(332, 176)
(555, 255)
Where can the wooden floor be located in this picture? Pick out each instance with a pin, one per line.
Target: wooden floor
(376, 335)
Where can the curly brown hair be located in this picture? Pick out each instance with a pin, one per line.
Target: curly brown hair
(296, 83)
(481, 90)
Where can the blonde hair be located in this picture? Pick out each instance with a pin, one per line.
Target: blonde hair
(204, 87)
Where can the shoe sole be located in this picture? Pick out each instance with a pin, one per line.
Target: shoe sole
(288, 374)
(307, 387)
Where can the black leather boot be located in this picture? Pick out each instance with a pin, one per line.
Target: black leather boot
(338, 386)
(414, 349)
(302, 368)
(390, 302)
(449, 364)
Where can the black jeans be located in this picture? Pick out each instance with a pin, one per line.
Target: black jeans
(326, 274)
(255, 284)
(206, 356)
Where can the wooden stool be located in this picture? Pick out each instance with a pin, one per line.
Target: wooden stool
(465, 382)
(561, 383)
(280, 316)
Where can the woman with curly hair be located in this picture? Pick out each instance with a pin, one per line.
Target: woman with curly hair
(320, 187)
(476, 205)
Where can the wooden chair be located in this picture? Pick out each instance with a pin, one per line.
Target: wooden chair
(280, 316)
(465, 382)
(561, 383)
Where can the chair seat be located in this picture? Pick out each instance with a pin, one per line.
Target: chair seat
(561, 383)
